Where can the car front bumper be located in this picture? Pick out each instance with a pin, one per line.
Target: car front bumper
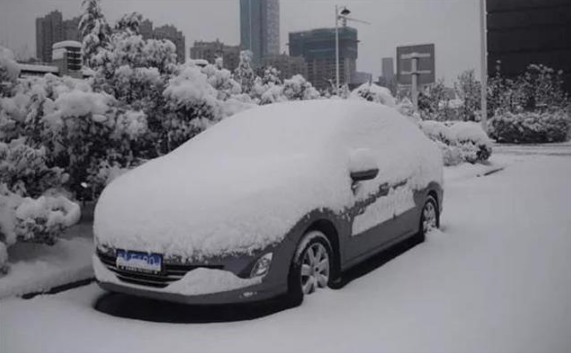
(205, 287)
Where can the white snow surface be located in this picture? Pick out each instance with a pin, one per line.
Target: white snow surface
(242, 184)
(38, 267)
(495, 279)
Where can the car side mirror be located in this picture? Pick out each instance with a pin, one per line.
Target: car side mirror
(362, 165)
(364, 175)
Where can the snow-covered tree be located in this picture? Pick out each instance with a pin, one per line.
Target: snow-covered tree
(9, 70)
(244, 74)
(542, 89)
(469, 91)
(129, 23)
(190, 107)
(94, 30)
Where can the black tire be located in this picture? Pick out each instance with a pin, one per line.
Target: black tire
(295, 288)
(430, 202)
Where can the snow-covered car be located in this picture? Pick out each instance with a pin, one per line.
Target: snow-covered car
(279, 199)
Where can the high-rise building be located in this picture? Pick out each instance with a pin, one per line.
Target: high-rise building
(288, 66)
(388, 68)
(52, 29)
(260, 28)
(146, 29)
(49, 30)
(171, 33)
(71, 29)
(317, 47)
(168, 32)
(359, 78)
(524, 32)
(210, 51)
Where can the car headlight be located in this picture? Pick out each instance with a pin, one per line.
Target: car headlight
(262, 266)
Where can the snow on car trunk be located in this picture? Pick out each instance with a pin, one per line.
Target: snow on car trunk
(242, 184)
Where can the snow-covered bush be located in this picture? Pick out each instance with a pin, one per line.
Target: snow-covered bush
(105, 172)
(39, 220)
(221, 80)
(530, 127)
(9, 70)
(374, 93)
(459, 141)
(298, 88)
(295, 88)
(71, 127)
(23, 169)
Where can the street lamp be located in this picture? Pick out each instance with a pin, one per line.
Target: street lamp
(343, 16)
(483, 65)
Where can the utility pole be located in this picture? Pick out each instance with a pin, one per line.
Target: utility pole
(337, 50)
(414, 77)
(343, 16)
(415, 73)
(484, 64)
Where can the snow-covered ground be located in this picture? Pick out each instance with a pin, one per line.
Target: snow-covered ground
(497, 278)
(38, 267)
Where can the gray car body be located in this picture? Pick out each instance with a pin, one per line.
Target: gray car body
(349, 249)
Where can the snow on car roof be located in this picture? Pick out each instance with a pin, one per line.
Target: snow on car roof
(286, 128)
(243, 183)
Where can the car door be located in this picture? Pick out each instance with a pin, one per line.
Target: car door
(382, 211)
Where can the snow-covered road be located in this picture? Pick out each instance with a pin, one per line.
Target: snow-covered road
(497, 278)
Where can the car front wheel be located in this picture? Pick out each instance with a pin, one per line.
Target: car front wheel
(311, 266)
(429, 218)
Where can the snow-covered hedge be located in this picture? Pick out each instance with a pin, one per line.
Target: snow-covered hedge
(38, 220)
(530, 127)
(32, 207)
(459, 141)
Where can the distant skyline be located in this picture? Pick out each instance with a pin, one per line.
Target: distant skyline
(453, 25)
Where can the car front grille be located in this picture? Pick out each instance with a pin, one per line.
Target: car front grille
(171, 272)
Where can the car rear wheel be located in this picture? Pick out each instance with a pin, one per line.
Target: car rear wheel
(311, 266)
(429, 218)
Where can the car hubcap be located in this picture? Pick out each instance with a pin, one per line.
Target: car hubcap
(314, 268)
(429, 217)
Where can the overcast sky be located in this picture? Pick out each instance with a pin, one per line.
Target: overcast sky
(453, 25)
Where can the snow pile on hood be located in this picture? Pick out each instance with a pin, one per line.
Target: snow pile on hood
(242, 184)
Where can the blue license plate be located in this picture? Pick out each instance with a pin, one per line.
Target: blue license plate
(139, 261)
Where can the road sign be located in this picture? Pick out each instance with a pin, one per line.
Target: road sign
(425, 64)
